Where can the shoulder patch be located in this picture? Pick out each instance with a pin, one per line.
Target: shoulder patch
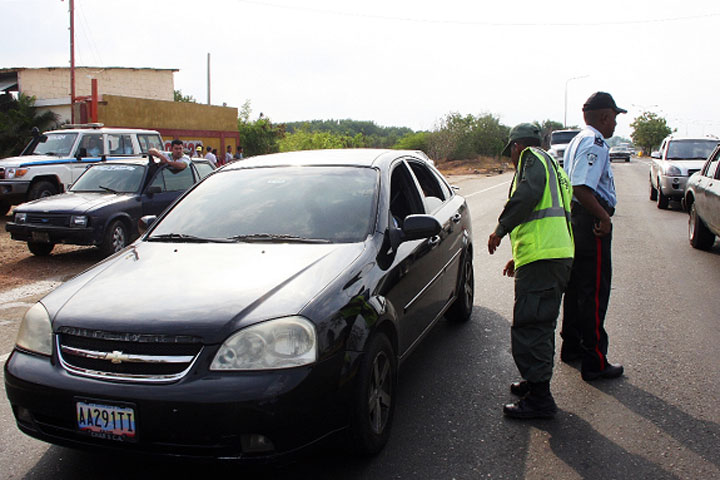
(599, 142)
(591, 157)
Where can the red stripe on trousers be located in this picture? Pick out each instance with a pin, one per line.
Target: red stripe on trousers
(598, 277)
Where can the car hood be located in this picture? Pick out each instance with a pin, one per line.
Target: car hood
(685, 165)
(204, 290)
(80, 202)
(10, 162)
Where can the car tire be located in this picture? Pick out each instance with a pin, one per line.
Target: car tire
(40, 249)
(653, 192)
(4, 207)
(699, 235)
(116, 238)
(373, 405)
(42, 189)
(662, 200)
(461, 309)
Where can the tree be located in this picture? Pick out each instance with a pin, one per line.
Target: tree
(413, 141)
(18, 116)
(546, 129)
(258, 137)
(459, 137)
(649, 130)
(179, 97)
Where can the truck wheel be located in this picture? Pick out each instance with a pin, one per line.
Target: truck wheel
(40, 249)
(699, 235)
(116, 237)
(42, 189)
(662, 200)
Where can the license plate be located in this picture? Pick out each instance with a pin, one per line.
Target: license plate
(110, 422)
(43, 237)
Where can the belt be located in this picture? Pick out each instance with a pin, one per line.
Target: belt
(578, 209)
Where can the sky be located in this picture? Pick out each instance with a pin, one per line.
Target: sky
(404, 63)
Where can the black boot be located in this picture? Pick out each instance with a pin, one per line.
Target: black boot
(520, 388)
(538, 403)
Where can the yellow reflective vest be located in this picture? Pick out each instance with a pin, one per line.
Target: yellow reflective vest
(546, 233)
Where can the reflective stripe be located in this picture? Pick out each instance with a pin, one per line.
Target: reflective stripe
(547, 212)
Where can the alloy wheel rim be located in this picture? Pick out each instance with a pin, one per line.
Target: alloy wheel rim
(118, 239)
(469, 284)
(380, 397)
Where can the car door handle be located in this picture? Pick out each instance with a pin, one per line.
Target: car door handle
(456, 218)
(434, 241)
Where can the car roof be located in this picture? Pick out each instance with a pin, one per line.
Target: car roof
(102, 130)
(708, 138)
(360, 157)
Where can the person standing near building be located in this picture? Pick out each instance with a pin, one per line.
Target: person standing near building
(228, 154)
(587, 161)
(199, 151)
(209, 156)
(536, 216)
(239, 154)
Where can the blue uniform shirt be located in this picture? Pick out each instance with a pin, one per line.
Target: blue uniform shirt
(587, 162)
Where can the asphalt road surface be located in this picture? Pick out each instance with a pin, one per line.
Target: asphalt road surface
(660, 421)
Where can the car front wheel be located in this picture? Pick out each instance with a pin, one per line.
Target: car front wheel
(116, 238)
(374, 400)
(662, 200)
(653, 192)
(699, 235)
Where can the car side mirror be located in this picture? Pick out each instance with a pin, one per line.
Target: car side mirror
(82, 152)
(416, 227)
(655, 154)
(145, 222)
(153, 189)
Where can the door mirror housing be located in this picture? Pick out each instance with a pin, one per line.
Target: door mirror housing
(153, 189)
(145, 222)
(416, 227)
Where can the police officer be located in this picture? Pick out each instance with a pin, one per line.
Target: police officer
(587, 161)
(537, 218)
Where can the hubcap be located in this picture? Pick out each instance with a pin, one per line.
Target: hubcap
(469, 286)
(118, 239)
(380, 396)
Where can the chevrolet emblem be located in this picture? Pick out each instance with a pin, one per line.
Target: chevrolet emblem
(116, 357)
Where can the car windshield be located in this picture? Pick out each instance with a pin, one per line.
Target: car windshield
(690, 149)
(110, 178)
(59, 144)
(562, 137)
(276, 204)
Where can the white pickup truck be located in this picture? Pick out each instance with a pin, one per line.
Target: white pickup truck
(52, 161)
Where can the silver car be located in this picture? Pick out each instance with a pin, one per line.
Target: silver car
(677, 159)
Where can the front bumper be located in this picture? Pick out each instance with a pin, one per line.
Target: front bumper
(620, 156)
(28, 232)
(673, 187)
(14, 192)
(203, 415)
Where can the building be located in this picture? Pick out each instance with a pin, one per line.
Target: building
(126, 97)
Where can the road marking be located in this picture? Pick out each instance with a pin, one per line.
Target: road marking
(486, 189)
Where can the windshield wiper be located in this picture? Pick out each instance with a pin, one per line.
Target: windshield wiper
(107, 189)
(275, 238)
(183, 237)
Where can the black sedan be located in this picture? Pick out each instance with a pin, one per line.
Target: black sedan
(103, 206)
(269, 308)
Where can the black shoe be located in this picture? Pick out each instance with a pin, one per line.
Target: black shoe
(520, 389)
(531, 407)
(610, 371)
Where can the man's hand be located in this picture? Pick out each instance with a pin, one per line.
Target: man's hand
(602, 227)
(493, 242)
(509, 270)
(154, 152)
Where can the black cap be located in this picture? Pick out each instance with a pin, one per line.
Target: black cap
(600, 101)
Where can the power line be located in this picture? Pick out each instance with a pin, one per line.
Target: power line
(479, 23)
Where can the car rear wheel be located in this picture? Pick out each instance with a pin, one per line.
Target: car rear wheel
(699, 235)
(662, 200)
(40, 249)
(374, 399)
(116, 238)
(461, 309)
(653, 192)
(42, 189)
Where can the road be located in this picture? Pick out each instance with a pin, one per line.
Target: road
(660, 421)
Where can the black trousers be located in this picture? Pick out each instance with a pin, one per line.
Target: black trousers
(588, 293)
(539, 287)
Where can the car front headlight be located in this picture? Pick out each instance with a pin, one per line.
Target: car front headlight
(15, 172)
(35, 333)
(20, 217)
(79, 221)
(281, 343)
(673, 171)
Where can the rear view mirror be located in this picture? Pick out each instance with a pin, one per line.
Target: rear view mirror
(420, 226)
(153, 189)
(655, 154)
(145, 222)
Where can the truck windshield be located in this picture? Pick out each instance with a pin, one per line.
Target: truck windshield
(562, 137)
(59, 144)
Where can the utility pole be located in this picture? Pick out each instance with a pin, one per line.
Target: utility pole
(208, 77)
(566, 85)
(72, 61)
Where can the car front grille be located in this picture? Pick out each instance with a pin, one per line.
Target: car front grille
(127, 357)
(54, 220)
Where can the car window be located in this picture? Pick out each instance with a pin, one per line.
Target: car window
(336, 204)
(404, 199)
(433, 194)
(58, 144)
(120, 144)
(110, 178)
(91, 145)
(713, 171)
(203, 168)
(148, 141)
(177, 180)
